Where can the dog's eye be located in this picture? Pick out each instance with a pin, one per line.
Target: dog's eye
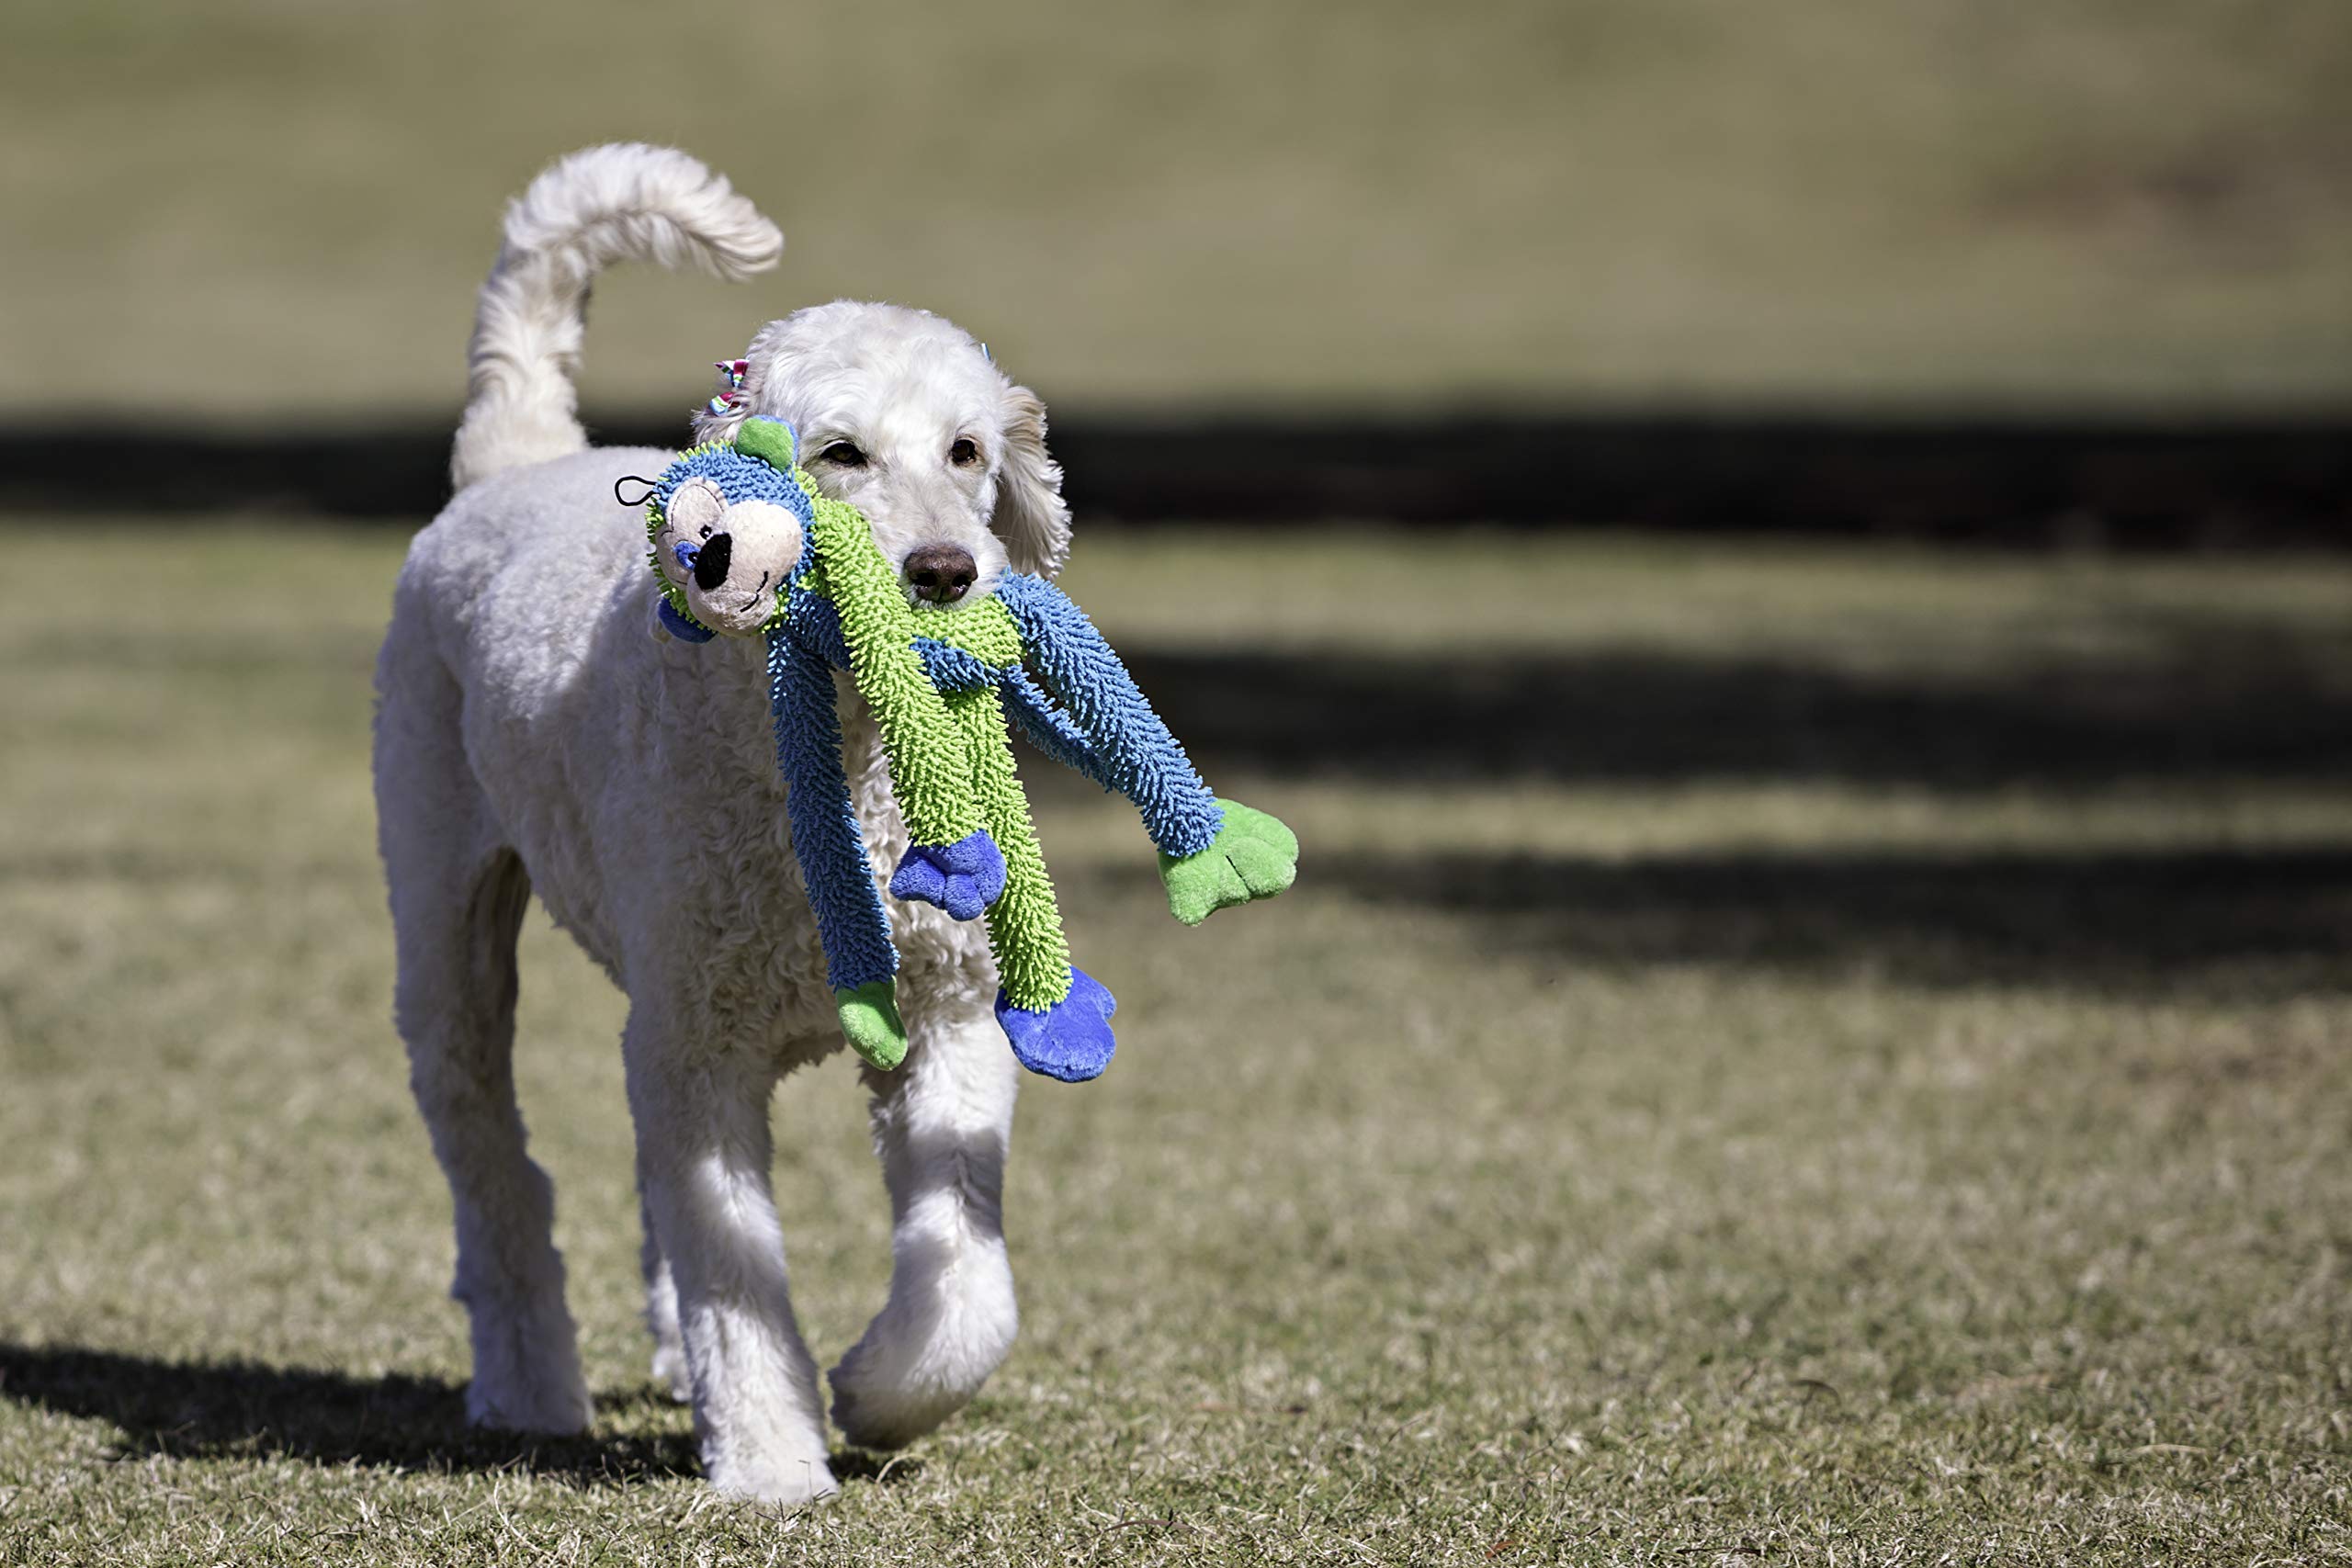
(845, 453)
(965, 453)
(708, 530)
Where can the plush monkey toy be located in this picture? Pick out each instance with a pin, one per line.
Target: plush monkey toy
(940, 681)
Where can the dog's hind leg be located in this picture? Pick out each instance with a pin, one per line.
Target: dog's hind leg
(668, 1370)
(941, 1125)
(457, 900)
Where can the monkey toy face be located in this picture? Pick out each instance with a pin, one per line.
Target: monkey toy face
(728, 559)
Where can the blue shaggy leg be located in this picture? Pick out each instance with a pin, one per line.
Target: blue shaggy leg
(1070, 1040)
(859, 958)
(963, 878)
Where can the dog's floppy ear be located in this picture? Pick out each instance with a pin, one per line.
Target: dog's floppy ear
(1030, 515)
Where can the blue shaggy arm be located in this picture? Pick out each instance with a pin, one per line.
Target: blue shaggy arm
(825, 836)
(1134, 751)
(819, 628)
(1050, 729)
(1102, 725)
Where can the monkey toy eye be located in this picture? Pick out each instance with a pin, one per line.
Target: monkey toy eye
(694, 508)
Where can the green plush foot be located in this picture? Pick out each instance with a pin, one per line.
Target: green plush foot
(870, 1018)
(1253, 856)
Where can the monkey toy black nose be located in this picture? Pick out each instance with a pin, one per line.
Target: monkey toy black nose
(940, 573)
(711, 564)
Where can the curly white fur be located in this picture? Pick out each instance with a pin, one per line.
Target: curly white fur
(891, 382)
(602, 205)
(532, 737)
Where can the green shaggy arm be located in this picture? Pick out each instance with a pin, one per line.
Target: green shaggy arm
(1025, 923)
(928, 770)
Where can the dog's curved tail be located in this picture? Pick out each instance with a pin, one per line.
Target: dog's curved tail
(622, 202)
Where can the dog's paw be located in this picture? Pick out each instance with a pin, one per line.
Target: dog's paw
(555, 1407)
(670, 1374)
(779, 1480)
(890, 1419)
(870, 1022)
(1252, 856)
(963, 878)
(879, 1406)
(1070, 1040)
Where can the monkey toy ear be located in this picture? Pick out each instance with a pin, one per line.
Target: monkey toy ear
(772, 441)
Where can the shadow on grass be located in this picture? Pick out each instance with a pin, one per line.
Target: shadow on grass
(243, 1408)
(2226, 704)
(2233, 922)
(229, 1409)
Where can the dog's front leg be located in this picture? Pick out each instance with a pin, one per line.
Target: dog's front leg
(703, 1155)
(941, 1124)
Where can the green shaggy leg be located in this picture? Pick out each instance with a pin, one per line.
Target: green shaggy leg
(1253, 856)
(869, 1015)
(1025, 923)
(919, 740)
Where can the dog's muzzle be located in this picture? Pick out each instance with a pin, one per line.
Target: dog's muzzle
(940, 573)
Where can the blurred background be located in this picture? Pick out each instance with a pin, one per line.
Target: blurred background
(1785, 561)
(273, 209)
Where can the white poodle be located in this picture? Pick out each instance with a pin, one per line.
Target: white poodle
(532, 735)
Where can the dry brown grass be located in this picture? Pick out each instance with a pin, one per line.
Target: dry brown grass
(1750, 1133)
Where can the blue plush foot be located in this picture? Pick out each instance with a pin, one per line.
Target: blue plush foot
(963, 878)
(1070, 1040)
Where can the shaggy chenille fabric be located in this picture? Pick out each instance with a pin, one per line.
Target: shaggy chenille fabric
(938, 682)
(1132, 750)
(859, 959)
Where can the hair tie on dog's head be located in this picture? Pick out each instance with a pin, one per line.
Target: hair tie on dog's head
(651, 486)
(732, 372)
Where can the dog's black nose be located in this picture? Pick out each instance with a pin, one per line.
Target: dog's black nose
(940, 573)
(711, 564)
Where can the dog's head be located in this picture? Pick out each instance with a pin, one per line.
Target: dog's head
(904, 416)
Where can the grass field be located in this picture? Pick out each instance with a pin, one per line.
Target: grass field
(262, 209)
(1778, 1055)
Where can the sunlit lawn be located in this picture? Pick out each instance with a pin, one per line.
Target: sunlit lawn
(1780, 1054)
